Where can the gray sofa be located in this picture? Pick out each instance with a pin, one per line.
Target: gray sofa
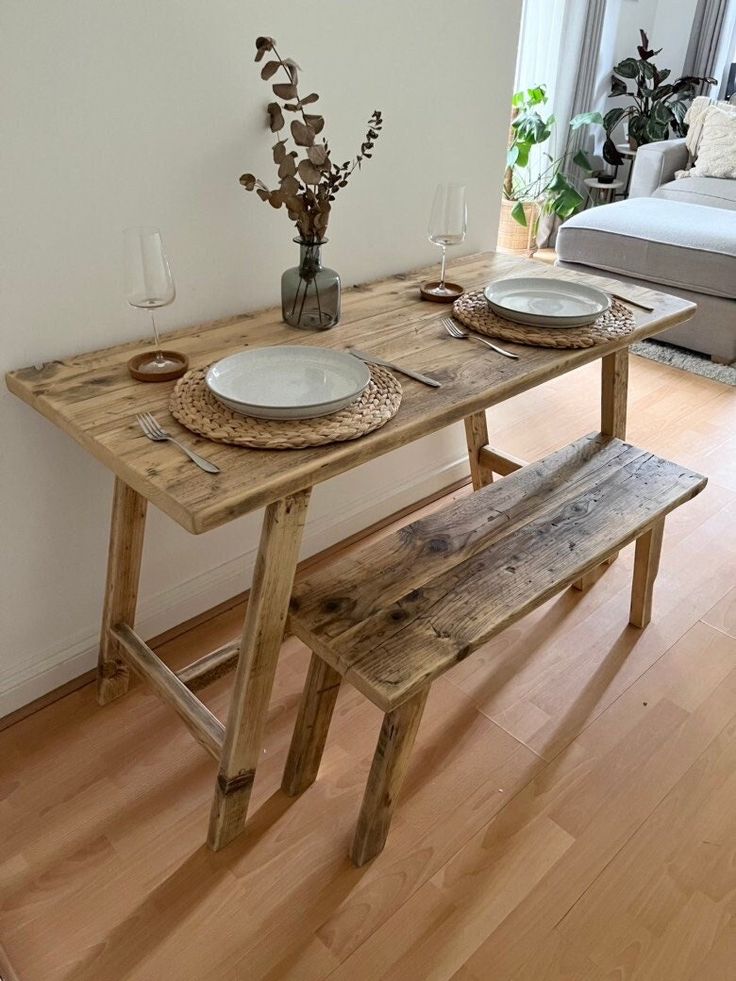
(677, 235)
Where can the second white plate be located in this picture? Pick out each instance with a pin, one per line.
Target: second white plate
(541, 301)
(288, 381)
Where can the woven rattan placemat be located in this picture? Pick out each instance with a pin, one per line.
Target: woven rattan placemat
(472, 310)
(195, 407)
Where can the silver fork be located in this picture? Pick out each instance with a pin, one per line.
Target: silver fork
(155, 431)
(454, 331)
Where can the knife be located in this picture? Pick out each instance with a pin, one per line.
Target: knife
(374, 359)
(634, 303)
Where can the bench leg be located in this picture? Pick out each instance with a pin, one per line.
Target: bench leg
(588, 578)
(646, 566)
(312, 723)
(121, 591)
(476, 437)
(388, 769)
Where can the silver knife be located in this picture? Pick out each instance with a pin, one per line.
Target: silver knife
(374, 359)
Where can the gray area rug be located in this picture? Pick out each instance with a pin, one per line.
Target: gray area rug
(678, 357)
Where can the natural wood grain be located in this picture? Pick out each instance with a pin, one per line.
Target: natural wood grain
(614, 402)
(7, 973)
(103, 813)
(93, 398)
(121, 590)
(646, 567)
(312, 723)
(388, 769)
(263, 631)
(504, 551)
(500, 463)
(723, 614)
(210, 667)
(476, 437)
(614, 393)
(424, 548)
(204, 726)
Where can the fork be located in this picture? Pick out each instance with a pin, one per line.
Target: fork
(155, 432)
(454, 331)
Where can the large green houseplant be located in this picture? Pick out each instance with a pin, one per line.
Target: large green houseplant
(657, 106)
(538, 184)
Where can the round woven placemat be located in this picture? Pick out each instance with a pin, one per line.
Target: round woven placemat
(473, 311)
(195, 407)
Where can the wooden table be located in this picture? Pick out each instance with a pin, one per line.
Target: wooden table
(93, 398)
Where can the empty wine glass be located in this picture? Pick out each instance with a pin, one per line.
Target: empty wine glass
(148, 286)
(448, 223)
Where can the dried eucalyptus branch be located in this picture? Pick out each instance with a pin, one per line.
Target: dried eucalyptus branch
(307, 183)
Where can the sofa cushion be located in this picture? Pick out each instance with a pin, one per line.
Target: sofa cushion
(669, 242)
(695, 118)
(713, 191)
(717, 149)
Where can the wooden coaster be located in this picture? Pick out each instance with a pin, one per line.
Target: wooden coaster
(473, 311)
(135, 369)
(195, 407)
(447, 294)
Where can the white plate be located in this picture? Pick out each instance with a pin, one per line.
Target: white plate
(548, 302)
(288, 382)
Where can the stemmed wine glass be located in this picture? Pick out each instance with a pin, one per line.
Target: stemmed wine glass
(448, 223)
(148, 286)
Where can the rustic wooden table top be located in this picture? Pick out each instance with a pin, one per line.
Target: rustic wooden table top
(93, 398)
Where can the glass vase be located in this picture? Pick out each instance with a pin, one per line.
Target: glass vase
(310, 292)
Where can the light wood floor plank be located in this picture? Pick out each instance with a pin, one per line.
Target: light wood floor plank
(567, 815)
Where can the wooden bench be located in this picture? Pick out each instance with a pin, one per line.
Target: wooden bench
(395, 615)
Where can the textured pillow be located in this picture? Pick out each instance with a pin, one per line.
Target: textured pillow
(695, 117)
(717, 150)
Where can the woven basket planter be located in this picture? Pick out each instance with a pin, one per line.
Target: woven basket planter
(511, 235)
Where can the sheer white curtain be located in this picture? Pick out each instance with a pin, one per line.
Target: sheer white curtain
(567, 45)
(557, 40)
(540, 43)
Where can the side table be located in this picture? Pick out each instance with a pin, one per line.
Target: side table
(601, 193)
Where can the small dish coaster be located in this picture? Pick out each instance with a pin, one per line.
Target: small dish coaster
(437, 292)
(473, 311)
(194, 406)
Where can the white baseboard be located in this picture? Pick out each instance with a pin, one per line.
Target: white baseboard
(163, 610)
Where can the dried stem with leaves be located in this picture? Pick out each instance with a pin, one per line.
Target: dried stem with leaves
(308, 183)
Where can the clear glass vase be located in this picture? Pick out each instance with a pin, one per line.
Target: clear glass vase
(310, 292)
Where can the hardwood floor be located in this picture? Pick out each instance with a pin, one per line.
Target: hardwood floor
(569, 812)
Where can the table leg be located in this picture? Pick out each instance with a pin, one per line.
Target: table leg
(263, 632)
(614, 393)
(121, 592)
(476, 437)
(614, 396)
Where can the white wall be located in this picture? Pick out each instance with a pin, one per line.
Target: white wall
(668, 24)
(146, 113)
(671, 32)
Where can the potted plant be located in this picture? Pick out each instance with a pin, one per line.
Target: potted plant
(536, 185)
(307, 184)
(657, 108)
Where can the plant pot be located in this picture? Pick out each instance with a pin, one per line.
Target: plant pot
(512, 236)
(310, 292)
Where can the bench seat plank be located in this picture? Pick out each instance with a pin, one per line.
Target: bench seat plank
(401, 612)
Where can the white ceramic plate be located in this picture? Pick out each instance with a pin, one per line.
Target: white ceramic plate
(288, 382)
(540, 301)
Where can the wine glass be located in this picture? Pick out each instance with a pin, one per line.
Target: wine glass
(448, 223)
(148, 286)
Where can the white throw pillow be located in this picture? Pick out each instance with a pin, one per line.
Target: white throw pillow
(717, 150)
